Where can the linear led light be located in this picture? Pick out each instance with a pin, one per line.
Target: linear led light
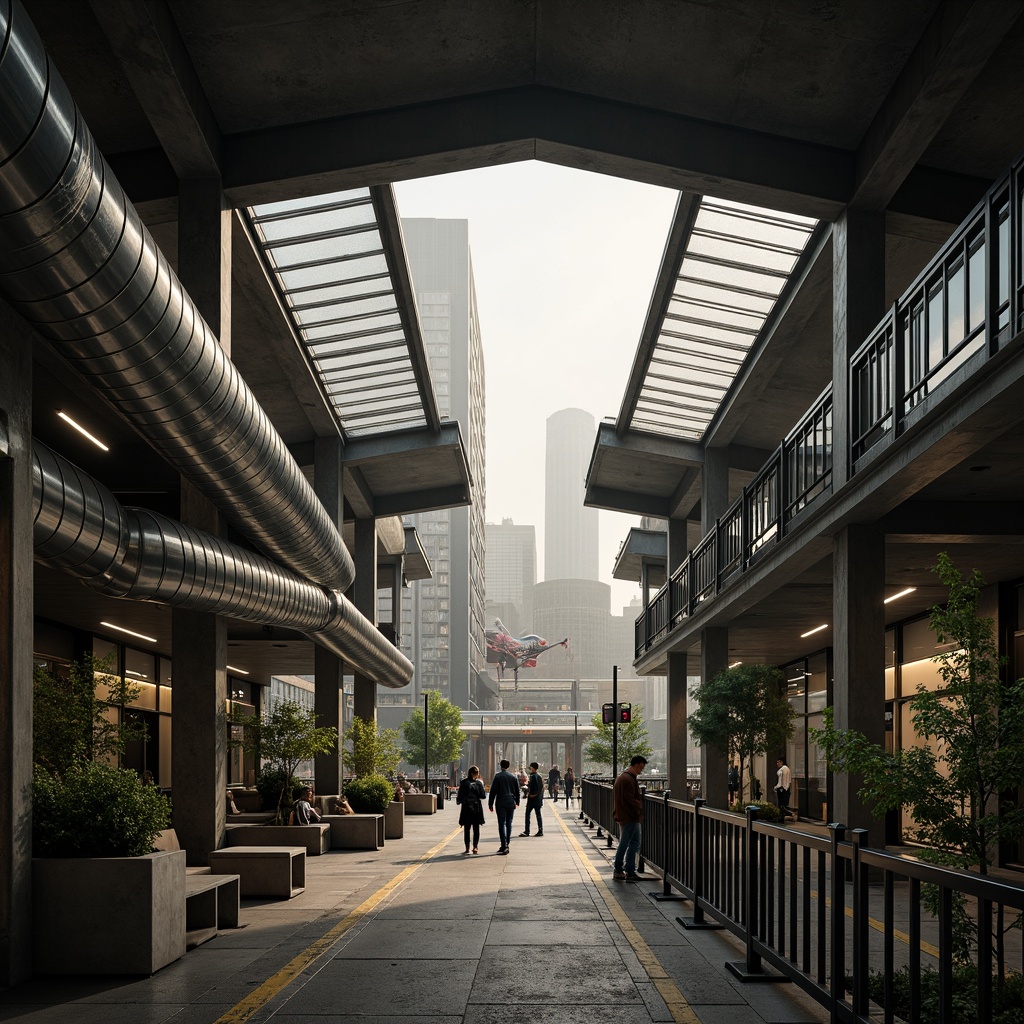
(735, 663)
(85, 433)
(811, 632)
(130, 632)
(240, 671)
(901, 593)
(796, 679)
(138, 675)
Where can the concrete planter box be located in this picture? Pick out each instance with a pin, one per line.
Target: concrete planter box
(394, 820)
(108, 915)
(315, 838)
(420, 803)
(356, 831)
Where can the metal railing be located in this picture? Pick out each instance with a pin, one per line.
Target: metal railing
(828, 913)
(962, 309)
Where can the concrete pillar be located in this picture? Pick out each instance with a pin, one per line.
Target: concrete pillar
(858, 694)
(199, 640)
(676, 725)
(714, 487)
(677, 544)
(714, 762)
(328, 668)
(364, 596)
(16, 596)
(858, 303)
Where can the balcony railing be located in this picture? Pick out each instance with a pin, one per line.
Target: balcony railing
(966, 305)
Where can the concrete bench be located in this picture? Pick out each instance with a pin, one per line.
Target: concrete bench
(211, 903)
(420, 803)
(263, 870)
(356, 831)
(316, 839)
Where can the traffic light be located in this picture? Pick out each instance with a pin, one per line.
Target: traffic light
(625, 712)
(608, 714)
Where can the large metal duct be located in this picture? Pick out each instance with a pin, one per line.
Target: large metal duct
(81, 528)
(79, 265)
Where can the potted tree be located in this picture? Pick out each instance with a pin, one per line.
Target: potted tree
(372, 755)
(105, 902)
(282, 738)
(444, 745)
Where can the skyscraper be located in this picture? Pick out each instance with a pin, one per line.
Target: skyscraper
(511, 574)
(570, 529)
(442, 622)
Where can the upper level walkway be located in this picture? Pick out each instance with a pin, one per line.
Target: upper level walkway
(418, 930)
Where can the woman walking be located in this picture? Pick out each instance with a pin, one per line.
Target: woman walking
(471, 798)
(569, 780)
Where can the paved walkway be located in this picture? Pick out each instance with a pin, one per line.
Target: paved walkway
(419, 932)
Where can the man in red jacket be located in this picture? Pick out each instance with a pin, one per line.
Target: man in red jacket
(628, 805)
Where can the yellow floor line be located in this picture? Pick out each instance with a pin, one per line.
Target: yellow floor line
(682, 1012)
(259, 997)
(879, 926)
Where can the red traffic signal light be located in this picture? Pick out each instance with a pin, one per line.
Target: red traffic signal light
(607, 713)
(625, 712)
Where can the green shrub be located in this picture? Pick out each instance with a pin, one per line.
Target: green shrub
(269, 784)
(95, 810)
(766, 812)
(1007, 1001)
(370, 794)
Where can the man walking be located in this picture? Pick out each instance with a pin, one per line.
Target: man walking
(628, 807)
(534, 798)
(554, 781)
(504, 793)
(784, 779)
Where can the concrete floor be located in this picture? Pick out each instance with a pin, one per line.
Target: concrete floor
(419, 931)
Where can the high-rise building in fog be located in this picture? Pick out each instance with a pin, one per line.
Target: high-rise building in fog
(442, 622)
(570, 529)
(511, 574)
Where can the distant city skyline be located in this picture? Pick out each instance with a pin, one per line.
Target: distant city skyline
(564, 263)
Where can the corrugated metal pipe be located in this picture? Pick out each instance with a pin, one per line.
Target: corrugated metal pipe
(82, 529)
(77, 262)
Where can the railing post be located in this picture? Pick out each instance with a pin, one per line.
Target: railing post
(700, 869)
(859, 836)
(837, 893)
(750, 968)
(666, 892)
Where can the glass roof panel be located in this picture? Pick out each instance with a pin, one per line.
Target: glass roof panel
(328, 255)
(736, 261)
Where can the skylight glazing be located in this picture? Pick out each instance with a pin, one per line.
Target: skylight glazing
(329, 257)
(735, 264)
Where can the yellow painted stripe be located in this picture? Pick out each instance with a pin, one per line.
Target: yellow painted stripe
(878, 926)
(680, 1009)
(276, 983)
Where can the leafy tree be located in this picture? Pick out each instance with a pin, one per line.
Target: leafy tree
(71, 724)
(371, 750)
(743, 711)
(633, 740)
(445, 727)
(953, 784)
(283, 738)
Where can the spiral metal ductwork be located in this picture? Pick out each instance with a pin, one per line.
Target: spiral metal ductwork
(82, 529)
(77, 262)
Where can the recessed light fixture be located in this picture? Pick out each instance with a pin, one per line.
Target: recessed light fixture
(240, 671)
(811, 632)
(900, 593)
(130, 632)
(78, 426)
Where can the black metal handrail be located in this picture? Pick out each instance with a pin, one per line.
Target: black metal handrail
(963, 307)
(819, 910)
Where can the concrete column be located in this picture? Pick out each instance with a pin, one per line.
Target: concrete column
(677, 544)
(676, 725)
(714, 762)
(714, 487)
(199, 640)
(858, 695)
(364, 596)
(858, 303)
(16, 596)
(328, 668)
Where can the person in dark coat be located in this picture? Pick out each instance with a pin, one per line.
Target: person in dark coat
(471, 797)
(504, 793)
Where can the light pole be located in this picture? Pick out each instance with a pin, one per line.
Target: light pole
(426, 742)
